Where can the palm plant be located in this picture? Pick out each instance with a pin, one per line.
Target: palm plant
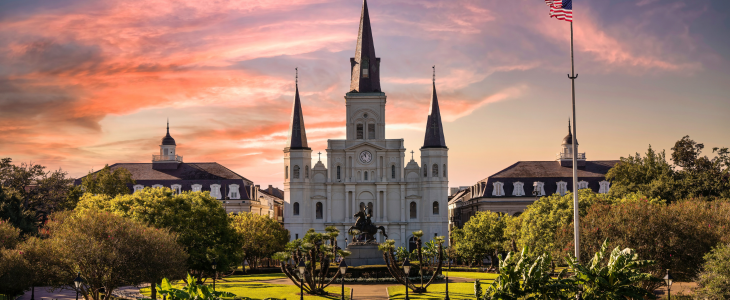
(618, 279)
(192, 291)
(527, 277)
(397, 272)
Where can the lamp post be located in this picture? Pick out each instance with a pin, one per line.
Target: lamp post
(343, 269)
(77, 283)
(448, 259)
(214, 273)
(668, 280)
(407, 269)
(302, 267)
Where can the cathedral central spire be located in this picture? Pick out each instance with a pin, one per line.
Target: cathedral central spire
(297, 134)
(434, 129)
(365, 67)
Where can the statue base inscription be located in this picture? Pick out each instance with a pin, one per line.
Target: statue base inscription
(364, 254)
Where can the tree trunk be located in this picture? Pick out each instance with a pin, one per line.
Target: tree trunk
(153, 291)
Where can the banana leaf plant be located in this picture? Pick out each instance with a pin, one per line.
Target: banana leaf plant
(396, 270)
(527, 277)
(192, 291)
(318, 251)
(618, 279)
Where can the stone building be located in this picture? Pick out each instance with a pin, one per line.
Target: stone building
(366, 169)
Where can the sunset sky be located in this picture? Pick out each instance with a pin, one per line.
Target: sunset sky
(89, 83)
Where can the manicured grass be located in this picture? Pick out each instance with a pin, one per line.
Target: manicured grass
(485, 277)
(457, 291)
(247, 286)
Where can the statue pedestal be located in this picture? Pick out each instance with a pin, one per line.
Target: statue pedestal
(367, 254)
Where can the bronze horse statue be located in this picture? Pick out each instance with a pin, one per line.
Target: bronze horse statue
(366, 227)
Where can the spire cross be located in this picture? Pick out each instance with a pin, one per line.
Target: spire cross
(296, 76)
(411, 154)
(434, 73)
(320, 156)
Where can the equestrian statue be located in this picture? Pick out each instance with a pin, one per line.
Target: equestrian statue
(366, 227)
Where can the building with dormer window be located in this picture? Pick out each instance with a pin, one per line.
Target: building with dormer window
(366, 169)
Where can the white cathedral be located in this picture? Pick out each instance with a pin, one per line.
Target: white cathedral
(366, 170)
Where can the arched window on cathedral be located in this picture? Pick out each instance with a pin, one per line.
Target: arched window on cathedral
(370, 207)
(435, 207)
(295, 170)
(435, 172)
(362, 206)
(319, 210)
(338, 172)
(366, 176)
(444, 170)
(359, 132)
(425, 171)
(286, 172)
(371, 131)
(306, 172)
(414, 210)
(296, 208)
(392, 171)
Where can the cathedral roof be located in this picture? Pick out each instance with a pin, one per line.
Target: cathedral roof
(434, 129)
(297, 133)
(168, 140)
(361, 82)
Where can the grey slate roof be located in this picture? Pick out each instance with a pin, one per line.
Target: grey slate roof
(434, 129)
(297, 134)
(365, 54)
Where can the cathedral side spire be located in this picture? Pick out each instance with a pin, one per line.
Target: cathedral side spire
(365, 67)
(297, 133)
(434, 129)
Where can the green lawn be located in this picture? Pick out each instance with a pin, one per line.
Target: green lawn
(485, 277)
(248, 286)
(457, 291)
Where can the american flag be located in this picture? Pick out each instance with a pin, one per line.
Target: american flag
(561, 9)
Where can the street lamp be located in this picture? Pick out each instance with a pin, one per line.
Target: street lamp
(302, 267)
(668, 280)
(343, 269)
(77, 283)
(214, 273)
(407, 270)
(448, 259)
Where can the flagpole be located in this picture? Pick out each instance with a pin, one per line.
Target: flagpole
(576, 220)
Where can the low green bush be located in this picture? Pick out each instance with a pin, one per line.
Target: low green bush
(714, 279)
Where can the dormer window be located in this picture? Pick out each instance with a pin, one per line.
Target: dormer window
(138, 188)
(562, 188)
(364, 67)
(215, 191)
(233, 192)
(498, 189)
(197, 187)
(539, 188)
(519, 189)
(605, 187)
(582, 184)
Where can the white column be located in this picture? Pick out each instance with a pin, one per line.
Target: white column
(347, 205)
(385, 206)
(403, 203)
(329, 202)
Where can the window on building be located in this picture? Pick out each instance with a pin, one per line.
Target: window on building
(392, 171)
(233, 191)
(562, 188)
(435, 171)
(306, 172)
(362, 206)
(359, 132)
(295, 172)
(338, 172)
(414, 210)
(286, 172)
(412, 244)
(519, 189)
(371, 131)
(365, 66)
(215, 191)
(319, 210)
(296, 208)
(138, 188)
(498, 189)
(435, 207)
(539, 190)
(366, 176)
(425, 171)
(176, 188)
(156, 186)
(605, 187)
(444, 170)
(197, 187)
(582, 184)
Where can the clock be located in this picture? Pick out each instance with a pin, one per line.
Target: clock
(366, 157)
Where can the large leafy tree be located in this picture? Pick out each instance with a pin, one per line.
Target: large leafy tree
(14, 269)
(691, 175)
(41, 191)
(199, 220)
(483, 235)
(260, 236)
(108, 182)
(14, 212)
(109, 251)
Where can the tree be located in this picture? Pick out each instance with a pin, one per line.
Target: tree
(199, 220)
(259, 236)
(714, 279)
(41, 191)
(675, 236)
(14, 273)
(542, 219)
(110, 251)
(108, 182)
(483, 235)
(691, 175)
(14, 212)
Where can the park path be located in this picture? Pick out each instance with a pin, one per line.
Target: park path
(43, 293)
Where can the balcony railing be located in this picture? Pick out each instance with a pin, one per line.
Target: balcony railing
(176, 158)
(568, 156)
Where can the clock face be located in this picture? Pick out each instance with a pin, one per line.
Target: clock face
(366, 157)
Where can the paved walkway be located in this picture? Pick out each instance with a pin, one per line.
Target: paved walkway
(43, 293)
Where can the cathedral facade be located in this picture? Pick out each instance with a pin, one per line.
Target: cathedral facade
(367, 171)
